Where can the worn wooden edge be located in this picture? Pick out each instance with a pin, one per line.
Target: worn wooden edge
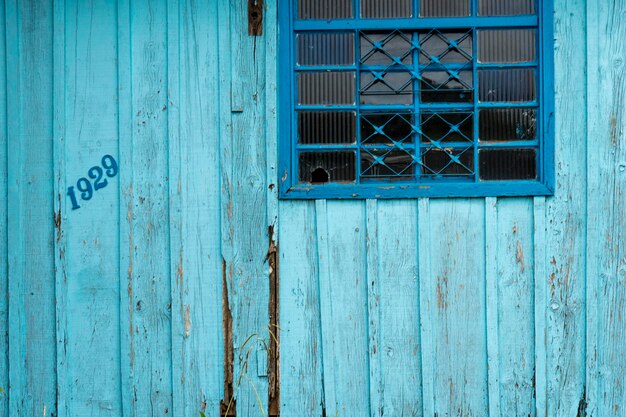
(426, 308)
(593, 206)
(4, 237)
(373, 308)
(325, 289)
(270, 12)
(177, 322)
(227, 403)
(16, 386)
(60, 210)
(125, 193)
(492, 305)
(540, 301)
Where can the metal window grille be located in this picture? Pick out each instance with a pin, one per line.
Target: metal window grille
(411, 98)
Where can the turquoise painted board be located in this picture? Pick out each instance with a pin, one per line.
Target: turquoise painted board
(31, 277)
(154, 297)
(4, 304)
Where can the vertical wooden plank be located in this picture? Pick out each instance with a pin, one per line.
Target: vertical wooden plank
(245, 213)
(377, 387)
(300, 333)
(566, 216)
(87, 239)
(226, 165)
(426, 307)
(4, 299)
(125, 192)
(491, 278)
(606, 194)
(541, 306)
(458, 270)
(60, 217)
(393, 296)
(31, 276)
(343, 300)
(596, 123)
(511, 228)
(196, 260)
(145, 244)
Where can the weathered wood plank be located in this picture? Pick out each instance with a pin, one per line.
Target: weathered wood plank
(125, 193)
(87, 280)
(515, 309)
(4, 282)
(146, 307)
(393, 297)
(491, 288)
(566, 216)
(60, 184)
(196, 262)
(606, 194)
(457, 266)
(541, 305)
(244, 213)
(343, 300)
(32, 343)
(301, 345)
(427, 306)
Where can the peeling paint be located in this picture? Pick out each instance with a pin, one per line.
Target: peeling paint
(519, 256)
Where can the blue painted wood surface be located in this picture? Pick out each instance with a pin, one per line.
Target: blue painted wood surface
(448, 307)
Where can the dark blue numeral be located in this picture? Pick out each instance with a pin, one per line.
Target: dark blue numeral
(110, 164)
(84, 186)
(95, 173)
(72, 194)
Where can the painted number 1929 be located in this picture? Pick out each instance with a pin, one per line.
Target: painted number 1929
(97, 174)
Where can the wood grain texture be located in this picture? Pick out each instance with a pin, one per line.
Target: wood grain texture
(87, 239)
(196, 260)
(31, 278)
(606, 194)
(566, 216)
(515, 305)
(541, 305)
(245, 238)
(457, 274)
(4, 239)
(343, 301)
(393, 300)
(145, 190)
(300, 331)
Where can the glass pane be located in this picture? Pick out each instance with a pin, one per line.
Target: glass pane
(326, 88)
(325, 48)
(386, 88)
(507, 164)
(507, 124)
(506, 46)
(386, 48)
(442, 8)
(326, 127)
(440, 48)
(322, 167)
(511, 85)
(444, 86)
(447, 161)
(505, 7)
(325, 9)
(447, 127)
(386, 164)
(386, 8)
(386, 128)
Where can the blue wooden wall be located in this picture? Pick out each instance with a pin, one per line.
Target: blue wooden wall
(443, 307)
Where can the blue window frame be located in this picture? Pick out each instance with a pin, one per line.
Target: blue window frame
(415, 98)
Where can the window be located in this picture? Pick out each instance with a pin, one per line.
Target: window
(411, 98)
